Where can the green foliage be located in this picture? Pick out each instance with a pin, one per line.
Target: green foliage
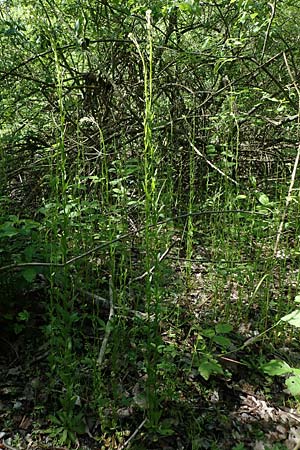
(208, 340)
(18, 239)
(147, 147)
(22, 319)
(293, 318)
(209, 366)
(239, 447)
(19, 245)
(282, 368)
(276, 367)
(216, 335)
(66, 426)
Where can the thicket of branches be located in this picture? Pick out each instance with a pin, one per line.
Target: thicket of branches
(224, 74)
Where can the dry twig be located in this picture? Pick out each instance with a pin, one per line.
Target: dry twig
(126, 444)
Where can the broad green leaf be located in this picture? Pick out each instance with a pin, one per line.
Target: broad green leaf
(264, 200)
(8, 230)
(297, 299)
(8, 233)
(118, 191)
(222, 340)
(223, 328)
(262, 210)
(293, 318)
(64, 437)
(209, 333)
(293, 385)
(211, 149)
(209, 367)
(29, 274)
(185, 6)
(276, 367)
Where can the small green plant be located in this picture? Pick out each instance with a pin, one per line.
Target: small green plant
(208, 341)
(19, 244)
(240, 446)
(69, 421)
(277, 367)
(22, 319)
(66, 426)
(217, 335)
(208, 366)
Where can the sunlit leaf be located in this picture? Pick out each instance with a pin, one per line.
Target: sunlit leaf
(264, 200)
(293, 385)
(293, 318)
(276, 367)
(209, 367)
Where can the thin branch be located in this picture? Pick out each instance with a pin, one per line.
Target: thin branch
(106, 305)
(273, 10)
(120, 238)
(212, 165)
(48, 52)
(9, 447)
(150, 271)
(275, 80)
(283, 121)
(126, 444)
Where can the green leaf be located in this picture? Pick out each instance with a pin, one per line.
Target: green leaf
(29, 274)
(80, 427)
(61, 415)
(64, 437)
(185, 6)
(8, 230)
(208, 367)
(222, 340)
(209, 333)
(224, 328)
(293, 385)
(263, 211)
(24, 315)
(276, 367)
(165, 427)
(264, 200)
(297, 299)
(55, 420)
(293, 318)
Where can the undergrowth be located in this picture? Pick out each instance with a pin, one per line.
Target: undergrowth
(157, 279)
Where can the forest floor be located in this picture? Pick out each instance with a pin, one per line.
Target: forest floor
(238, 409)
